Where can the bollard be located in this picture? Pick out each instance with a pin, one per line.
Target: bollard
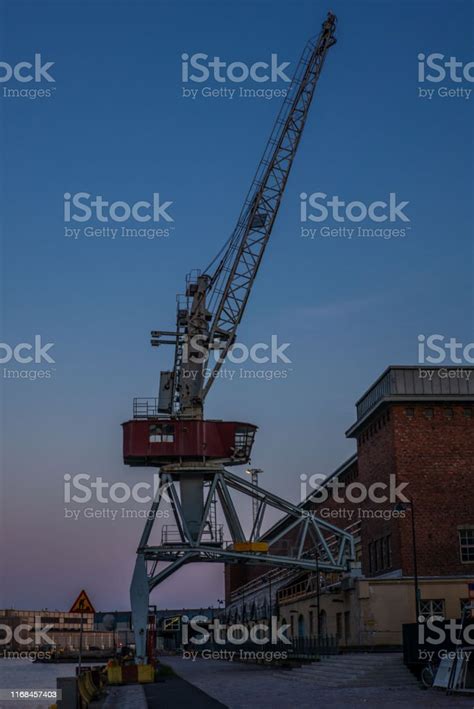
(68, 687)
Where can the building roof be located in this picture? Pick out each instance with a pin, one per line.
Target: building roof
(415, 383)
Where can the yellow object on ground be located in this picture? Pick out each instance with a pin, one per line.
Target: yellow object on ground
(251, 546)
(87, 689)
(130, 674)
(146, 673)
(114, 674)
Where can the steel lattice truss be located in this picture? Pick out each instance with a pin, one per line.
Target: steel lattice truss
(227, 285)
(316, 539)
(232, 282)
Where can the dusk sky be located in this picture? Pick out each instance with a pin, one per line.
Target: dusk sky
(117, 125)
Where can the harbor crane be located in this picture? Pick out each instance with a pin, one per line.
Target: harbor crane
(171, 433)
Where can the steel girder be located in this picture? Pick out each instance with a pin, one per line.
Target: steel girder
(317, 540)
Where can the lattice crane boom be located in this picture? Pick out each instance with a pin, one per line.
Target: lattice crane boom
(232, 282)
(215, 302)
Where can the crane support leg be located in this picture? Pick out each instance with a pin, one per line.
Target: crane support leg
(139, 598)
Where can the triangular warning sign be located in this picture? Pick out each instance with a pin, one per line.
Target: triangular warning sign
(82, 604)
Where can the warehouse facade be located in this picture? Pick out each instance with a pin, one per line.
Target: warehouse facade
(407, 498)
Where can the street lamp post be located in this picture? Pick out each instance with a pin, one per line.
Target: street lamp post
(81, 606)
(270, 604)
(254, 473)
(415, 561)
(318, 599)
(401, 507)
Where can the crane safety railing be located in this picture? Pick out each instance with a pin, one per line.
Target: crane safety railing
(145, 408)
(211, 536)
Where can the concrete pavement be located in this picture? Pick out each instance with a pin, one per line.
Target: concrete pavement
(245, 686)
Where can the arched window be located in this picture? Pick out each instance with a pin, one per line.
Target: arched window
(301, 625)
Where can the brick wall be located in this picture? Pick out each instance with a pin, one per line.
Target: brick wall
(376, 463)
(430, 447)
(434, 451)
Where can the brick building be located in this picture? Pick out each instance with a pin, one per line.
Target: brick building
(414, 432)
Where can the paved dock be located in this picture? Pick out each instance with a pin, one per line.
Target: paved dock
(173, 692)
(245, 686)
(126, 697)
(177, 693)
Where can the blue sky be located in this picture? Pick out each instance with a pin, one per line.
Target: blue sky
(117, 125)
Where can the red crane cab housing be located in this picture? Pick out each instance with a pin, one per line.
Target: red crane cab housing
(158, 441)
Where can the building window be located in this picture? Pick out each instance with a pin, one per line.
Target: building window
(380, 554)
(432, 608)
(468, 413)
(465, 603)
(410, 412)
(284, 631)
(301, 629)
(161, 433)
(466, 543)
(347, 626)
(339, 626)
(386, 552)
(428, 413)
